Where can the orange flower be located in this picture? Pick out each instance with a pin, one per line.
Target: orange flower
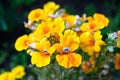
(42, 57)
(69, 42)
(117, 61)
(90, 26)
(91, 42)
(98, 21)
(44, 29)
(88, 66)
(101, 19)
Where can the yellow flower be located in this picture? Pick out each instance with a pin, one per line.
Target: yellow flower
(91, 42)
(44, 29)
(36, 15)
(18, 72)
(69, 42)
(35, 37)
(7, 76)
(90, 26)
(98, 21)
(70, 20)
(42, 57)
(22, 43)
(118, 42)
(58, 26)
(101, 19)
(50, 7)
(117, 61)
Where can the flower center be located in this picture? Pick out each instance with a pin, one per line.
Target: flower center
(92, 26)
(92, 42)
(66, 49)
(45, 51)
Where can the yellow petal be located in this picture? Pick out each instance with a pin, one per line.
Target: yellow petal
(50, 7)
(35, 15)
(58, 28)
(21, 43)
(51, 50)
(100, 42)
(18, 72)
(7, 76)
(43, 44)
(97, 48)
(97, 35)
(73, 46)
(40, 59)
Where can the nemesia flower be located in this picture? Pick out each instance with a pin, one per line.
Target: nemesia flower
(118, 42)
(70, 20)
(18, 71)
(44, 29)
(21, 43)
(117, 61)
(58, 28)
(69, 42)
(50, 7)
(91, 42)
(36, 15)
(88, 66)
(98, 21)
(35, 37)
(90, 26)
(7, 76)
(101, 19)
(69, 37)
(42, 57)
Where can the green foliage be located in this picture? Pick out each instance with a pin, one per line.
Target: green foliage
(3, 56)
(90, 9)
(3, 24)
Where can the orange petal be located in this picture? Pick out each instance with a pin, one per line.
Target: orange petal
(58, 47)
(69, 60)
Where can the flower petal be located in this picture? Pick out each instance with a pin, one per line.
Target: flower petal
(21, 43)
(40, 59)
(69, 60)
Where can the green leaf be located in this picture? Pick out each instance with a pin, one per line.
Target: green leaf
(3, 25)
(3, 56)
(1, 10)
(69, 9)
(15, 4)
(28, 2)
(90, 9)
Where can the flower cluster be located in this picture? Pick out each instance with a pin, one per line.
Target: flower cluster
(74, 40)
(16, 73)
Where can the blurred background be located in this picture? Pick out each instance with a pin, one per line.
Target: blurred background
(14, 12)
